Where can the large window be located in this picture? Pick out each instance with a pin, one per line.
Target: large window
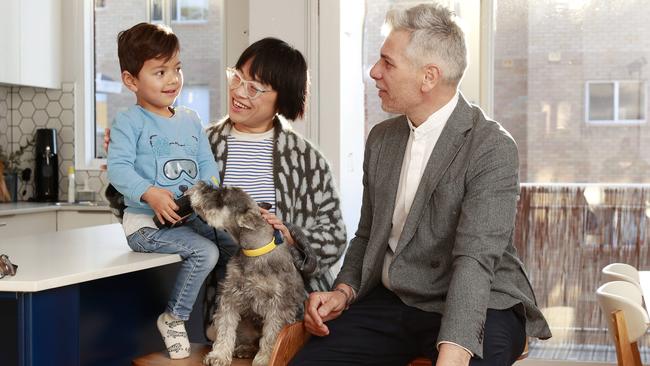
(560, 63)
(198, 25)
(570, 86)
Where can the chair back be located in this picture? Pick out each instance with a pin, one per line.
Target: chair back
(624, 296)
(624, 289)
(620, 272)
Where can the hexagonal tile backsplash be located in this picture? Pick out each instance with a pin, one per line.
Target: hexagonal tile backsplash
(25, 109)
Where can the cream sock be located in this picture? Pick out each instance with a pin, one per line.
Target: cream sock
(174, 335)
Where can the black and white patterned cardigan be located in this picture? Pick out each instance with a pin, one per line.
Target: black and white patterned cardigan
(306, 198)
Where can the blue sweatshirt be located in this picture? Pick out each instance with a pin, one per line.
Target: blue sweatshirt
(150, 150)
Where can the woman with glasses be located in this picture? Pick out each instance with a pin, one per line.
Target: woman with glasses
(257, 150)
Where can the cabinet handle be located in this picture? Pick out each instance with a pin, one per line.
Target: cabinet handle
(3, 224)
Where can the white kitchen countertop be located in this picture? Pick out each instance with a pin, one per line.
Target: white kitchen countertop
(69, 257)
(17, 208)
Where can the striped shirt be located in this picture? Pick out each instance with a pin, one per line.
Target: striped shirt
(249, 165)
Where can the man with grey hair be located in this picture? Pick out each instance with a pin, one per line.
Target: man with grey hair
(431, 270)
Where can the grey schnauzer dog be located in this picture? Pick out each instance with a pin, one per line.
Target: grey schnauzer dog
(262, 291)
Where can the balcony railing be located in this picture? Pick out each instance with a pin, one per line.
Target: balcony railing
(565, 234)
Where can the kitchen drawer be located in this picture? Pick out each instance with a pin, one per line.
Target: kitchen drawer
(67, 220)
(27, 224)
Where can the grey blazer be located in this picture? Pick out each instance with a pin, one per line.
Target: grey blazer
(455, 254)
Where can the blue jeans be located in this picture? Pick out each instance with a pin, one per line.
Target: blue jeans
(200, 246)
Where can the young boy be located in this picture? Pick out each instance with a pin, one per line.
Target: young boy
(157, 152)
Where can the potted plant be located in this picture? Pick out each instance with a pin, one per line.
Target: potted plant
(9, 168)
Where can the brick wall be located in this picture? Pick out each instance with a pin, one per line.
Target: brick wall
(545, 53)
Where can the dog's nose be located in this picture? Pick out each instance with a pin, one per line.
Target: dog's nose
(183, 188)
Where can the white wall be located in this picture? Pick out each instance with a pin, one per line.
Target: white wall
(351, 118)
(289, 21)
(329, 87)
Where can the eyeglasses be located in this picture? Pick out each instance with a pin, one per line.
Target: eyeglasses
(6, 267)
(252, 88)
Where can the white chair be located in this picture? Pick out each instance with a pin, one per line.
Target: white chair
(626, 318)
(621, 272)
(625, 289)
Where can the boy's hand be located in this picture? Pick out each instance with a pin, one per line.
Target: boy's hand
(162, 203)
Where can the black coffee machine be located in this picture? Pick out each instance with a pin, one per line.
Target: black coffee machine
(46, 175)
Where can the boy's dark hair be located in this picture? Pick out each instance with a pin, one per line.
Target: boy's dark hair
(276, 63)
(142, 42)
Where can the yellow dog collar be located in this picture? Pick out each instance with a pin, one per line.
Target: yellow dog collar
(260, 251)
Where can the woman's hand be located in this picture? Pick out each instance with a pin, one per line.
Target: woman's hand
(277, 224)
(162, 203)
(107, 139)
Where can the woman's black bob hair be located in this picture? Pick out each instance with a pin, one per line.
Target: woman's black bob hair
(275, 63)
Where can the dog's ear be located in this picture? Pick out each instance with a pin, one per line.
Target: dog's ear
(247, 219)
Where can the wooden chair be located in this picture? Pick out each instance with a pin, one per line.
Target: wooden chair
(196, 358)
(626, 318)
(290, 340)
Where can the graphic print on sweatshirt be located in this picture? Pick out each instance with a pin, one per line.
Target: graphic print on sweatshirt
(176, 165)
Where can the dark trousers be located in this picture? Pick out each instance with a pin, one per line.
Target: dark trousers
(381, 330)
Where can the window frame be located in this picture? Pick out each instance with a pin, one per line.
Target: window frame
(616, 121)
(84, 146)
(164, 13)
(178, 11)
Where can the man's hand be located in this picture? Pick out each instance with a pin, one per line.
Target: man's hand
(162, 203)
(278, 224)
(452, 355)
(107, 139)
(324, 306)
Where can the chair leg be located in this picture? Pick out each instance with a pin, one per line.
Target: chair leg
(627, 353)
(635, 354)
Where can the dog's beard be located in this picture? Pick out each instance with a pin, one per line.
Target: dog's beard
(217, 218)
(228, 208)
